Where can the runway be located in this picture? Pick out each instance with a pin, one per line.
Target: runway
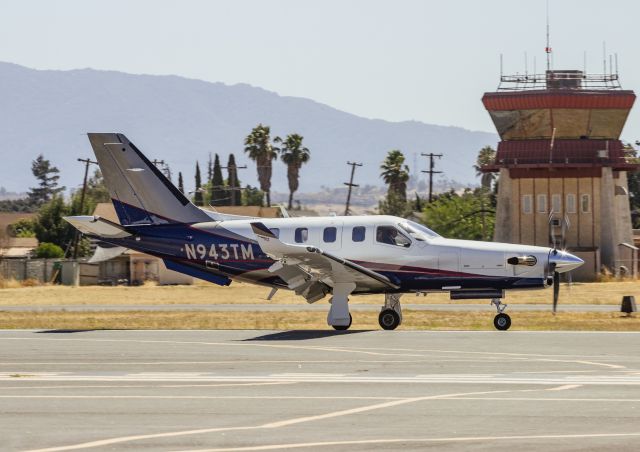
(310, 390)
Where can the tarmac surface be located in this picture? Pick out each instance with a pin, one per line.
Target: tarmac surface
(313, 390)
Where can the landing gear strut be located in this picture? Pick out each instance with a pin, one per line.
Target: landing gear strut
(501, 321)
(391, 314)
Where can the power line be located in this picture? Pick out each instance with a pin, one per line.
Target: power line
(431, 172)
(350, 184)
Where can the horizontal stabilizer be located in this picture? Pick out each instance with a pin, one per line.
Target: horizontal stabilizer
(98, 226)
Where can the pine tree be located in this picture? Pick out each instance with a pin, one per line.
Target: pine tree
(48, 176)
(233, 182)
(219, 196)
(180, 182)
(197, 197)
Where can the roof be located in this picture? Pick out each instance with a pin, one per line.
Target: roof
(17, 246)
(529, 100)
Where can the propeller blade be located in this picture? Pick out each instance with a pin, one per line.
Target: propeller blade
(556, 290)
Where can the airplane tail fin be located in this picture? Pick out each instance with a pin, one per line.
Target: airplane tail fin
(141, 194)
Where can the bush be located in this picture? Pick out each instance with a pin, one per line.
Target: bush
(48, 251)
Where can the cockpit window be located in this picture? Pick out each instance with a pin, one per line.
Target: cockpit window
(417, 231)
(392, 236)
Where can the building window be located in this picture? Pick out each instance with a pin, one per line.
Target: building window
(358, 233)
(526, 204)
(329, 234)
(585, 203)
(542, 203)
(301, 235)
(571, 203)
(556, 203)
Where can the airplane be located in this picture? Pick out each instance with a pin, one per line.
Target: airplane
(341, 256)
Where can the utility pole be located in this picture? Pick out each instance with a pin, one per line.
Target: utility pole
(87, 163)
(350, 184)
(233, 195)
(431, 172)
(163, 166)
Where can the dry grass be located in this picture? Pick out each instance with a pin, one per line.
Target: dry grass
(413, 320)
(238, 293)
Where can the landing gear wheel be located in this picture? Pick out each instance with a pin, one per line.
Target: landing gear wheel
(343, 327)
(389, 319)
(502, 322)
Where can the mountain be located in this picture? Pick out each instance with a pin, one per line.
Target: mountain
(180, 120)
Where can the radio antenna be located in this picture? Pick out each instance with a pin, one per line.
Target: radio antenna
(548, 48)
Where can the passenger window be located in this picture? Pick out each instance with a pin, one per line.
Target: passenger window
(391, 236)
(358, 234)
(301, 235)
(329, 235)
(276, 232)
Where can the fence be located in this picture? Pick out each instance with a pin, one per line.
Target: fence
(21, 269)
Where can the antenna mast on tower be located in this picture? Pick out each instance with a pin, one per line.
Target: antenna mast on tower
(548, 48)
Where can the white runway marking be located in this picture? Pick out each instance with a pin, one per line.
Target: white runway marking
(564, 387)
(488, 379)
(204, 385)
(270, 425)
(416, 440)
(57, 396)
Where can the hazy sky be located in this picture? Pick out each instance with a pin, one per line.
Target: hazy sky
(397, 60)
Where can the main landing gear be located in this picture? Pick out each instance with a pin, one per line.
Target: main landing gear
(339, 317)
(391, 314)
(501, 321)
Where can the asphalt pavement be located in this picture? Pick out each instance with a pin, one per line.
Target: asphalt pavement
(313, 390)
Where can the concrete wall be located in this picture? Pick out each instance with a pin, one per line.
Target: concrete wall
(21, 269)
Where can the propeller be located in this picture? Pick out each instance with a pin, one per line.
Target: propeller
(556, 289)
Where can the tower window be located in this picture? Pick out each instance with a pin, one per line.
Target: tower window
(585, 203)
(571, 203)
(556, 203)
(542, 203)
(527, 201)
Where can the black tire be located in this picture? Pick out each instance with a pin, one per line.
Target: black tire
(389, 319)
(502, 322)
(343, 327)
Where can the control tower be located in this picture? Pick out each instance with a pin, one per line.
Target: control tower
(562, 167)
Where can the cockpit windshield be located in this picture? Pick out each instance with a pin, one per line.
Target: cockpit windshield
(417, 231)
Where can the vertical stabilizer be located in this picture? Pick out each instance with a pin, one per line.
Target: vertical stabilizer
(141, 194)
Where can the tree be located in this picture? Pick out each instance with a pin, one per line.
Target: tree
(197, 197)
(180, 182)
(235, 192)
(294, 155)
(48, 177)
(48, 250)
(260, 149)
(462, 216)
(96, 192)
(486, 156)
(218, 192)
(22, 228)
(50, 226)
(252, 196)
(395, 173)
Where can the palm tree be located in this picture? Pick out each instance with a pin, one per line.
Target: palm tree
(294, 155)
(260, 149)
(486, 156)
(395, 174)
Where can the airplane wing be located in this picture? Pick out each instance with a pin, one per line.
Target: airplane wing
(310, 271)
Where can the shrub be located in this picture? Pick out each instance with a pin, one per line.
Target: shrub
(48, 250)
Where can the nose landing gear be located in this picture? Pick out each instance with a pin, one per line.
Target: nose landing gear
(501, 321)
